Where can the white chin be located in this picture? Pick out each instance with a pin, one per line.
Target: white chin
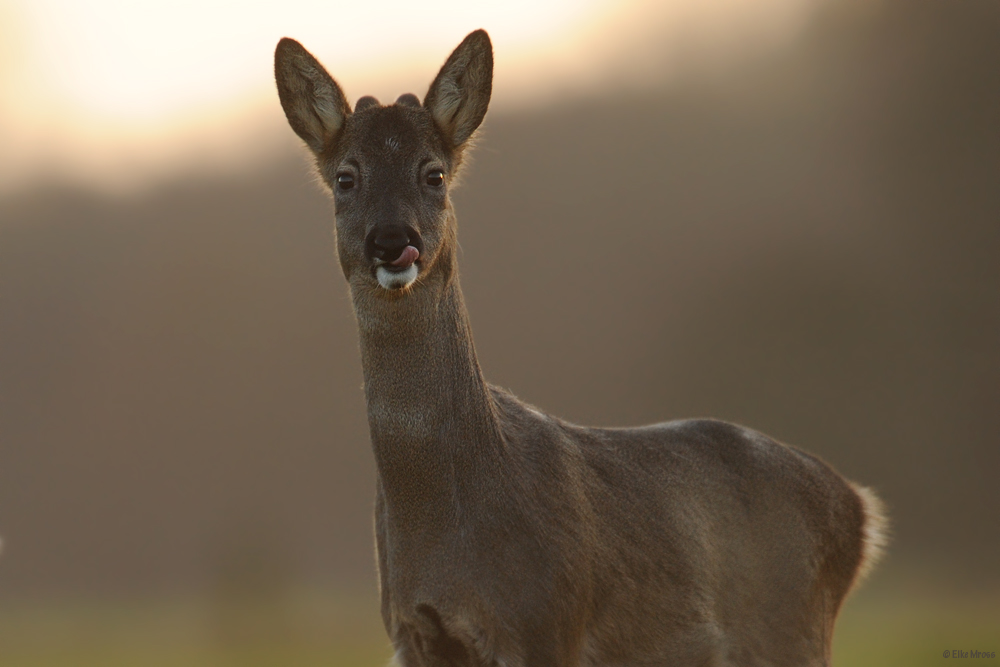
(396, 280)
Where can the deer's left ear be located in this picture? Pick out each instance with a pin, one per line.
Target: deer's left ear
(460, 93)
(312, 100)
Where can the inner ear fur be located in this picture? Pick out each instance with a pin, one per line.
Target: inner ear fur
(460, 94)
(313, 102)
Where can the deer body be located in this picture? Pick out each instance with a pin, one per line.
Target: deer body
(506, 537)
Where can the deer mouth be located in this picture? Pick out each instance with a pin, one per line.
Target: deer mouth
(406, 258)
(400, 272)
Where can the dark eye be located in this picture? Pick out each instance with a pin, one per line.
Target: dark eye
(345, 181)
(435, 178)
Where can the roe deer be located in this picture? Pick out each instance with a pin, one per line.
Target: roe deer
(507, 537)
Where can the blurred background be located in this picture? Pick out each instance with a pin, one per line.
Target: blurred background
(783, 213)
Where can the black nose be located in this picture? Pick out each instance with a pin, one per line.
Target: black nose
(387, 243)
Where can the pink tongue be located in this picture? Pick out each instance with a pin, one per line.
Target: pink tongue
(409, 256)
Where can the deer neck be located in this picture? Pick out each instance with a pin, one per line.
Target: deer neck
(434, 427)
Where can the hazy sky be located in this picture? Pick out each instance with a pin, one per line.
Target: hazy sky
(116, 92)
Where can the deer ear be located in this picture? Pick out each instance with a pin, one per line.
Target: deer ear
(460, 93)
(312, 100)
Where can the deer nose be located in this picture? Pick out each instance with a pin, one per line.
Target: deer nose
(387, 243)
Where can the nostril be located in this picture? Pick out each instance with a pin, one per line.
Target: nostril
(387, 245)
(390, 254)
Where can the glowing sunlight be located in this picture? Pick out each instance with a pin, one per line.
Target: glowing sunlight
(114, 93)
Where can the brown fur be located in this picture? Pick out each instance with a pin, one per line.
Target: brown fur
(508, 537)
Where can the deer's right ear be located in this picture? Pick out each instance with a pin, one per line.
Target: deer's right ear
(313, 102)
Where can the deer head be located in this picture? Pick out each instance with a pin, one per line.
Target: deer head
(390, 168)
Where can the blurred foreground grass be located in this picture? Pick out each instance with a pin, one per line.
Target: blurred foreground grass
(287, 630)
(912, 625)
(885, 627)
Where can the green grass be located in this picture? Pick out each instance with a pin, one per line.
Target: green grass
(883, 628)
(899, 629)
(306, 631)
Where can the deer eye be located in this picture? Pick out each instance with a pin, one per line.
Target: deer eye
(435, 178)
(345, 181)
